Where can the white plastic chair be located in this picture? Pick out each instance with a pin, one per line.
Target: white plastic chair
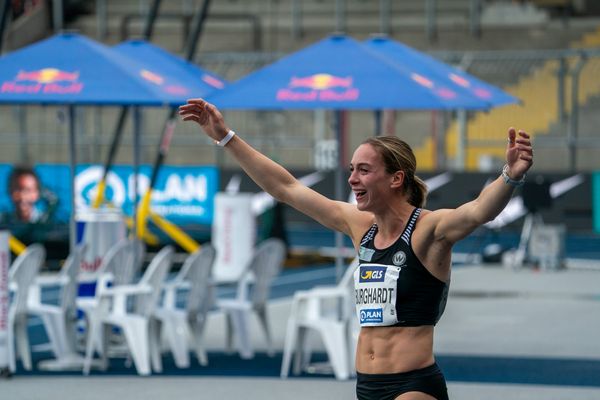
(183, 328)
(60, 321)
(309, 313)
(138, 325)
(119, 263)
(126, 270)
(21, 276)
(265, 264)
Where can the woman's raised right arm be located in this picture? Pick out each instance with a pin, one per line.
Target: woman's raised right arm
(272, 177)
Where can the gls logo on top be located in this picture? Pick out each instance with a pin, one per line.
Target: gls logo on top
(372, 274)
(371, 315)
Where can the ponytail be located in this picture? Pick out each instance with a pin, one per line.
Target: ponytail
(418, 192)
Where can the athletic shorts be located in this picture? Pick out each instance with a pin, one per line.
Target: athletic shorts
(429, 380)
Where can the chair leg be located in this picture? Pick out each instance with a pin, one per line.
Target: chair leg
(136, 333)
(176, 337)
(154, 344)
(334, 338)
(12, 357)
(22, 341)
(55, 329)
(288, 347)
(299, 350)
(352, 343)
(240, 321)
(93, 331)
(196, 332)
(306, 349)
(228, 333)
(262, 318)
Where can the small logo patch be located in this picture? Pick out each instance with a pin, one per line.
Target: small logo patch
(371, 315)
(372, 274)
(399, 258)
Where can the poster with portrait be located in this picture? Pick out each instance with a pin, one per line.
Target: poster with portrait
(36, 199)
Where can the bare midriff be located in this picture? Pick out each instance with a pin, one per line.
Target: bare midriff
(388, 350)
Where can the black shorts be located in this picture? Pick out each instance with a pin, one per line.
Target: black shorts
(429, 380)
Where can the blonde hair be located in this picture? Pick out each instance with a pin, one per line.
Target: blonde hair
(397, 156)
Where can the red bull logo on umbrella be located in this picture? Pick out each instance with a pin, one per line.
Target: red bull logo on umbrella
(45, 80)
(158, 80)
(459, 80)
(442, 92)
(480, 92)
(212, 81)
(152, 77)
(319, 87)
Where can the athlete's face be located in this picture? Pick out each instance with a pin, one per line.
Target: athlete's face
(368, 180)
(25, 195)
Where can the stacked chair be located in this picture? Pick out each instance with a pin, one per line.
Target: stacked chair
(60, 321)
(21, 276)
(252, 293)
(138, 323)
(183, 328)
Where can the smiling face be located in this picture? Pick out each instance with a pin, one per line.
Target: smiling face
(25, 194)
(369, 181)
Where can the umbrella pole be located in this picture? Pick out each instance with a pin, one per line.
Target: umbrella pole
(461, 143)
(114, 146)
(140, 220)
(4, 10)
(136, 164)
(377, 115)
(339, 192)
(72, 164)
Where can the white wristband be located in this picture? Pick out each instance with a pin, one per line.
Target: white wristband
(226, 139)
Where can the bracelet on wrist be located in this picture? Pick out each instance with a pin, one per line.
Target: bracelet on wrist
(509, 181)
(225, 139)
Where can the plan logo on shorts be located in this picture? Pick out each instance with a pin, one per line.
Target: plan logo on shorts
(372, 274)
(399, 258)
(371, 315)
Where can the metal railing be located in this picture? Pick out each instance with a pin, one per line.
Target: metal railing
(296, 12)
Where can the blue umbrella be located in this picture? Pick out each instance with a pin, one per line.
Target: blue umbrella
(72, 69)
(419, 63)
(340, 73)
(159, 63)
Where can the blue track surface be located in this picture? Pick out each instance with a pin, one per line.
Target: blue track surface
(456, 368)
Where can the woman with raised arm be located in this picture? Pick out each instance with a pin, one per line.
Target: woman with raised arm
(404, 250)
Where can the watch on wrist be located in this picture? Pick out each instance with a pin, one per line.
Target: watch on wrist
(509, 181)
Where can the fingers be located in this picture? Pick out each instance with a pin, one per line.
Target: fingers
(524, 134)
(512, 134)
(195, 110)
(524, 142)
(190, 117)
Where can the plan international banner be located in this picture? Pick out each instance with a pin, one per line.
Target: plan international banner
(184, 195)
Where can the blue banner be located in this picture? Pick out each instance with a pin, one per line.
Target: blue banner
(184, 195)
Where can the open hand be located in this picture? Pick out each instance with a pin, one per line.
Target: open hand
(519, 153)
(207, 116)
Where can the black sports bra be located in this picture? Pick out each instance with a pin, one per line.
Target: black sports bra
(392, 287)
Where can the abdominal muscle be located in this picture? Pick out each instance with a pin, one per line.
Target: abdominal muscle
(388, 350)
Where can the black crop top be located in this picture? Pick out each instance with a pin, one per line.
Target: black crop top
(392, 287)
